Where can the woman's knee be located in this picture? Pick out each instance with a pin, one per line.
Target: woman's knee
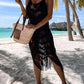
(57, 64)
(36, 67)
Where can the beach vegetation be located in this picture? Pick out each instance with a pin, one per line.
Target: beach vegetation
(80, 3)
(68, 4)
(77, 18)
(70, 37)
(74, 5)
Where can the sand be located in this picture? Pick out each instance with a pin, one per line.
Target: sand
(16, 65)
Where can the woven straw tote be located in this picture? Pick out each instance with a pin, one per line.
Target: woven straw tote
(20, 33)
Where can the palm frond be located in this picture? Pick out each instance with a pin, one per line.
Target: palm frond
(80, 4)
(64, 1)
(56, 4)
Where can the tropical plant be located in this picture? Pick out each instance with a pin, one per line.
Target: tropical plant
(74, 31)
(80, 4)
(77, 19)
(75, 14)
(68, 21)
(70, 37)
(56, 4)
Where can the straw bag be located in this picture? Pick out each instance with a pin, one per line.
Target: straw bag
(20, 33)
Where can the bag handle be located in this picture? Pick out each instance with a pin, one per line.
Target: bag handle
(24, 19)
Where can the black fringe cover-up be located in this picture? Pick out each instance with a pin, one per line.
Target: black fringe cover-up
(42, 44)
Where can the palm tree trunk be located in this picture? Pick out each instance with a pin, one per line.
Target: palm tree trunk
(74, 17)
(78, 22)
(68, 20)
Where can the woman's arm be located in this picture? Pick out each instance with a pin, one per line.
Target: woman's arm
(22, 7)
(47, 18)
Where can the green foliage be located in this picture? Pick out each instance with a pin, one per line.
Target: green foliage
(56, 4)
(80, 3)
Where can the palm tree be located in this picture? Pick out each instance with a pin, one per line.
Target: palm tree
(70, 37)
(68, 20)
(78, 22)
(74, 18)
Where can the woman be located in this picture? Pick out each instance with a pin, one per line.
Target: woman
(39, 12)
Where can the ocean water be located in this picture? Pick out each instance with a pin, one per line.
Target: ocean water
(6, 32)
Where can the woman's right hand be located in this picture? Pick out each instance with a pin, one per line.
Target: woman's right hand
(18, 1)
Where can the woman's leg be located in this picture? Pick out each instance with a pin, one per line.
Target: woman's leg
(37, 74)
(59, 70)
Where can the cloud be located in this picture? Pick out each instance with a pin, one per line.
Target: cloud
(60, 16)
(7, 17)
(8, 4)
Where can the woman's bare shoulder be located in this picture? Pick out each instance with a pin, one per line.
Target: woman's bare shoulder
(48, 1)
(26, 2)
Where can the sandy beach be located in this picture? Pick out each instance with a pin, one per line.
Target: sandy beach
(16, 65)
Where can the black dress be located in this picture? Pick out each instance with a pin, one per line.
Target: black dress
(42, 44)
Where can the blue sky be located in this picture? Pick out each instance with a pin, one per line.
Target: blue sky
(10, 11)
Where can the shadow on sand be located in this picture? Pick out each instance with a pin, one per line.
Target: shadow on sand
(17, 68)
(73, 60)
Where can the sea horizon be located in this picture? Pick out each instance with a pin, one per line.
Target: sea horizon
(6, 32)
(49, 25)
